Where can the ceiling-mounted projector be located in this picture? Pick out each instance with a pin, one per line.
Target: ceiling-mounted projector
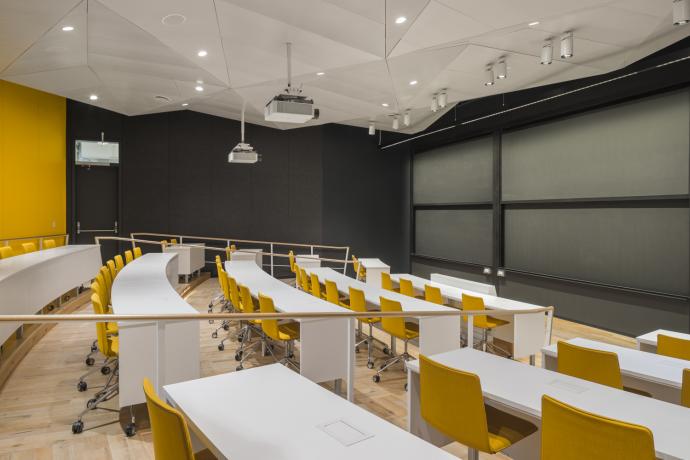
(243, 152)
(290, 107)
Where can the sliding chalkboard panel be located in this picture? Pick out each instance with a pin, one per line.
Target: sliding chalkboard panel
(644, 248)
(455, 234)
(455, 173)
(634, 149)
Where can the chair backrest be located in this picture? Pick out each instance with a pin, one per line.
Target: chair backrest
(569, 433)
(107, 277)
(394, 326)
(673, 346)
(315, 286)
(332, 294)
(452, 402)
(48, 244)
(104, 344)
(171, 438)
(386, 281)
(119, 262)
(406, 287)
(6, 252)
(469, 303)
(229, 250)
(291, 258)
(357, 300)
(111, 266)
(97, 299)
(223, 282)
(234, 293)
(433, 294)
(128, 256)
(585, 363)
(164, 244)
(29, 247)
(98, 288)
(298, 279)
(356, 266)
(246, 300)
(173, 240)
(685, 389)
(304, 280)
(269, 326)
(137, 252)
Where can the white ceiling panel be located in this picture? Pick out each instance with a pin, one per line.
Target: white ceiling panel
(350, 56)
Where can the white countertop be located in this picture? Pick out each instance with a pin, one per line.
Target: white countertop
(13, 265)
(372, 263)
(650, 338)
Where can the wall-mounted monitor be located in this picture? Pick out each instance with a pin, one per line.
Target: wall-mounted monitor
(96, 153)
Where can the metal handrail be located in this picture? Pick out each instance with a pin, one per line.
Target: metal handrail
(40, 239)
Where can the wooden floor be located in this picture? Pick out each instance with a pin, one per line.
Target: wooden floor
(40, 400)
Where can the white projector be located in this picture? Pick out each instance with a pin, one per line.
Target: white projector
(243, 153)
(287, 108)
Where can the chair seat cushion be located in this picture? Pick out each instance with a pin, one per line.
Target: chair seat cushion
(115, 344)
(369, 320)
(289, 331)
(505, 429)
(411, 330)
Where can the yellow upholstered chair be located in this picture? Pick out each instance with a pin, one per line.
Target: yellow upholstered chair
(483, 322)
(110, 263)
(119, 263)
(569, 433)
(452, 402)
(286, 333)
(48, 244)
(171, 440)
(252, 326)
(137, 252)
(164, 244)
(107, 277)
(316, 287)
(398, 328)
(387, 282)
(332, 294)
(433, 294)
(291, 259)
(29, 247)
(673, 347)
(594, 365)
(129, 257)
(685, 389)
(101, 308)
(304, 280)
(225, 302)
(357, 302)
(360, 272)
(407, 288)
(229, 250)
(173, 240)
(6, 252)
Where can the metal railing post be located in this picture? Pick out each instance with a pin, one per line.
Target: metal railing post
(271, 259)
(347, 256)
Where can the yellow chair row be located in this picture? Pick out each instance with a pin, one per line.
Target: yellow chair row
(7, 251)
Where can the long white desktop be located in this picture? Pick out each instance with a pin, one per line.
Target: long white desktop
(29, 282)
(271, 412)
(163, 352)
(436, 334)
(527, 332)
(648, 342)
(517, 388)
(326, 344)
(662, 376)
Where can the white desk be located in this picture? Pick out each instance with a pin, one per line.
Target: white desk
(527, 332)
(462, 283)
(326, 344)
(307, 260)
(273, 413)
(164, 352)
(374, 268)
(29, 282)
(516, 387)
(662, 376)
(249, 254)
(647, 342)
(436, 334)
(191, 257)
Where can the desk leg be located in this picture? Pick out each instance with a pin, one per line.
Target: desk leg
(532, 360)
(415, 423)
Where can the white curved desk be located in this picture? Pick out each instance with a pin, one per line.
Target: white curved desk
(436, 334)
(164, 352)
(326, 344)
(29, 282)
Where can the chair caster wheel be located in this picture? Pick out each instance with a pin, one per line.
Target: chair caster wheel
(91, 403)
(214, 335)
(226, 327)
(356, 349)
(210, 321)
(77, 427)
(239, 368)
(238, 356)
(406, 387)
(130, 430)
(386, 351)
(370, 365)
(291, 355)
(221, 347)
(90, 361)
(94, 348)
(82, 386)
(105, 370)
(376, 378)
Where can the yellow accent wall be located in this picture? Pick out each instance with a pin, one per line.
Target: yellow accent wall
(32, 162)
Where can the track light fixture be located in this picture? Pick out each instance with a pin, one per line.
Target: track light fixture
(567, 45)
(681, 12)
(489, 76)
(443, 98)
(501, 69)
(372, 128)
(547, 53)
(406, 118)
(396, 122)
(434, 103)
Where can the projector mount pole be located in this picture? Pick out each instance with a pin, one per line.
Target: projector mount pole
(289, 67)
(244, 104)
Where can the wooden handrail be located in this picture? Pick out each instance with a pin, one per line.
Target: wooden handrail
(235, 240)
(38, 237)
(59, 318)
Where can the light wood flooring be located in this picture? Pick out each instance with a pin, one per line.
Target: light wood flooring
(40, 400)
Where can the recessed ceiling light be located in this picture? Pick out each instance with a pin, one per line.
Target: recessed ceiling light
(202, 53)
(413, 82)
(174, 19)
(533, 23)
(185, 104)
(93, 97)
(199, 88)
(200, 82)
(67, 28)
(320, 74)
(400, 19)
(385, 104)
